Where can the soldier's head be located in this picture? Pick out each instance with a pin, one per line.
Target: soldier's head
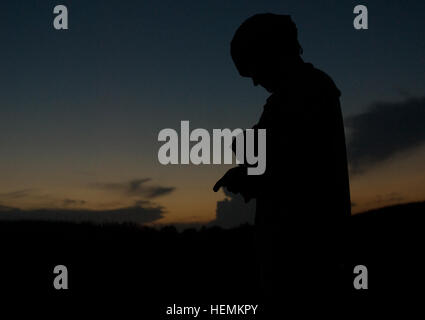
(265, 47)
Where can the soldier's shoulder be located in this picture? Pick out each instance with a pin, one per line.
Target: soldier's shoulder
(321, 82)
(309, 82)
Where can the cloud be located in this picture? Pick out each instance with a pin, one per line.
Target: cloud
(158, 191)
(134, 214)
(72, 202)
(5, 208)
(233, 211)
(389, 197)
(142, 210)
(136, 187)
(385, 129)
(16, 194)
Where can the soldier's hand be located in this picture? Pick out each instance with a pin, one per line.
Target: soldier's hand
(232, 180)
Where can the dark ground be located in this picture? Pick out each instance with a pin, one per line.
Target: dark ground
(143, 269)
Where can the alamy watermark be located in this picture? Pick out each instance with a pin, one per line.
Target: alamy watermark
(250, 147)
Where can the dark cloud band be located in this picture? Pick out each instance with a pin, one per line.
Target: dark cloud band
(384, 130)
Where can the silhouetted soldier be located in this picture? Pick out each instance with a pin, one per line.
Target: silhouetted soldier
(303, 197)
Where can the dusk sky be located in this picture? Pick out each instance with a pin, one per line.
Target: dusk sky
(81, 109)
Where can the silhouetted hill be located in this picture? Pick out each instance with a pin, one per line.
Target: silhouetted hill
(398, 211)
(127, 264)
(153, 267)
(389, 241)
(390, 227)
